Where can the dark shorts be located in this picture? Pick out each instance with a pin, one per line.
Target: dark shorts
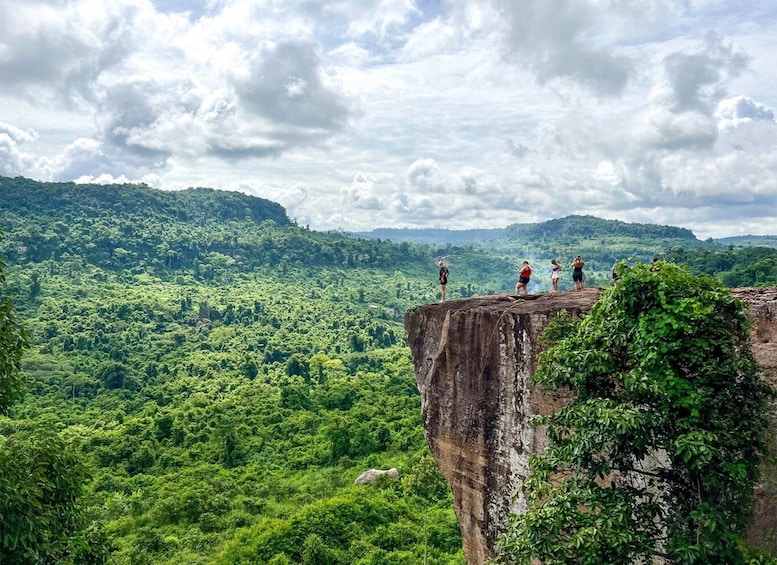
(443, 281)
(524, 280)
(577, 276)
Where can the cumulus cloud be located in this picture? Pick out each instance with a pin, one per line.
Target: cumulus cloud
(366, 192)
(160, 84)
(10, 156)
(13, 159)
(554, 37)
(284, 102)
(424, 176)
(741, 110)
(377, 17)
(58, 52)
(82, 158)
(286, 85)
(663, 129)
(697, 78)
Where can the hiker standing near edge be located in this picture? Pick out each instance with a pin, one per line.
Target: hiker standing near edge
(577, 272)
(443, 279)
(524, 274)
(555, 274)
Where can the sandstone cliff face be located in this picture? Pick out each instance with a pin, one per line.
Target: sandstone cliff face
(473, 361)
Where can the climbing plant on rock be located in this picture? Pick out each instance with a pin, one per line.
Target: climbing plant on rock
(658, 451)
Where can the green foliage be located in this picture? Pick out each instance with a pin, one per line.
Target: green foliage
(41, 478)
(425, 481)
(211, 410)
(322, 530)
(658, 452)
(735, 267)
(13, 339)
(755, 557)
(40, 474)
(140, 229)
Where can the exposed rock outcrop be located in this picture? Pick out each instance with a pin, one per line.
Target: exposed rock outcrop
(374, 475)
(473, 361)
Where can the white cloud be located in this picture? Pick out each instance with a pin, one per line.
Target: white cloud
(741, 110)
(287, 86)
(377, 17)
(14, 160)
(557, 39)
(697, 79)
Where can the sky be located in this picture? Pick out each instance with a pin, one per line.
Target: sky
(359, 114)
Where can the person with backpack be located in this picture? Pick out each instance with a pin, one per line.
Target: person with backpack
(524, 274)
(443, 279)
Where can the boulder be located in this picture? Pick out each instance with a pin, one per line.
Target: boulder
(374, 475)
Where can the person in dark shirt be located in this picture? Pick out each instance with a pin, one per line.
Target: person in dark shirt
(443, 279)
(577, 272)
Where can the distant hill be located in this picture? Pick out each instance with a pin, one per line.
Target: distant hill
(750, 240)
(569, 226)
(591, 226)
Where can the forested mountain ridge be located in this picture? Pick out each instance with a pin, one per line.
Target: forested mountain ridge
(568, 226)
(209, 233)
(199, 229)
(750, 240)
(591, 226)
(55, 200)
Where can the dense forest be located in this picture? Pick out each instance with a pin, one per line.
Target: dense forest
(221, 376)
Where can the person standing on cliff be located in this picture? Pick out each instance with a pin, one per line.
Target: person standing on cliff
(443, 279)
(524, 274)
(577, 272)
(555, 274)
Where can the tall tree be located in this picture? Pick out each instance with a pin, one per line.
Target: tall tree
(657, 454)
(13, 340)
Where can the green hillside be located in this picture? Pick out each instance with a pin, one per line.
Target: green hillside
(223, 380)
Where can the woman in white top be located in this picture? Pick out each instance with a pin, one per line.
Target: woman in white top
(555, 274)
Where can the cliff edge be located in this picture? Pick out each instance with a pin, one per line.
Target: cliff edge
(473, 362)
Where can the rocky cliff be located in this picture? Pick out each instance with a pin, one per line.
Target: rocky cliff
(473, 361)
